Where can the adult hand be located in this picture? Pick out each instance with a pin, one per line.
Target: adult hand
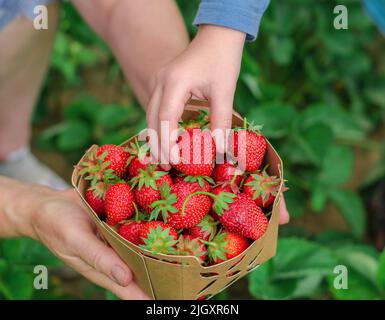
(63, 226)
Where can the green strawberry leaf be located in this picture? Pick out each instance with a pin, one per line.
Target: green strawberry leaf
(351, 208)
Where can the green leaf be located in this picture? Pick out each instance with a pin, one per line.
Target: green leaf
(19, 283)
(262, 287)
(315, 141)
(3, 265)
(343, 125)
(114, 116)
(298, 257)
(359, 288)
(296, 271)
(251, 82)
(352, 209)
(74, 136)
(381, 271)
(318, 197)
(82, 108)
(362, 265)
(295, 201)
(334, 238)
(282, 49)
(337, 166)
(276, 118)
(27, 252)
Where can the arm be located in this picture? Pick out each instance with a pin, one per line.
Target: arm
(208, 68)
(144, 36)
(58, 220)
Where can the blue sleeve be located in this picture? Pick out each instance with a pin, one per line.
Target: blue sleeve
(376, 9)
(241, 15)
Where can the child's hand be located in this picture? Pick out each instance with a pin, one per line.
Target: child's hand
(207, 69)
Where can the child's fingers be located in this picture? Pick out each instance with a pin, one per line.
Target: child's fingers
(221, 115)
(170, 111)
(152, 121)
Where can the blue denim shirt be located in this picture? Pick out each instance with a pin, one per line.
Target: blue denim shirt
(241, 15)
(10, 9)
(376, 9)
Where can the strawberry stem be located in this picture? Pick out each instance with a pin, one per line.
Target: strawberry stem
(220, 201)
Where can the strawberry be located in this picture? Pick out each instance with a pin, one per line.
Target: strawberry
(226, 245)
(191, 246)
(205, 230)
(182, 206)
(226, 172)
(216, 191)
(158, 237)
(105, 162)
(117, 158)
(131, 231)
(137, 164)
(147, 184)
(262, 188)
(119, 203)
(248, 147)
(243, 217)
(139, 158)
(95, 201)
(197, 152)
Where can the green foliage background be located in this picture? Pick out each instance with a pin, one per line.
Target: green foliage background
(320, 94)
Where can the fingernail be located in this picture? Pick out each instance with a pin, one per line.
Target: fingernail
(220, 144)
(165, 167)
(174, 157)
(120, 275)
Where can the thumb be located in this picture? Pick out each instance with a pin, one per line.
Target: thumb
(102, 258)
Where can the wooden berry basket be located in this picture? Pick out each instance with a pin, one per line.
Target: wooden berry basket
(183, 277)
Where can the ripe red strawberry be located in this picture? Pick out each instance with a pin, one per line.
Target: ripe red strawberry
(226, 245)
(105, 163)
(131, 231)
(205, 230)
(223, 194)
(158, 237)
(226, 172)
(138, 159)
(95, 201)
(117, 158)
(180, 206)
(244, 217)
(119, 203)
(191, 246)
(137, 164)
(95, 196)
(262, 188)
(148, 183)
(248, 147)
(197, 152)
